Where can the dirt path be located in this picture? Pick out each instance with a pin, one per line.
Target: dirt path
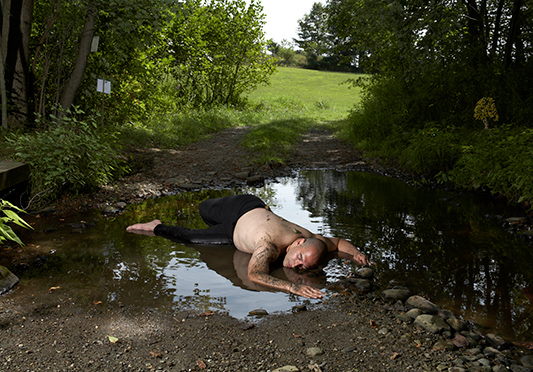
(215, 162)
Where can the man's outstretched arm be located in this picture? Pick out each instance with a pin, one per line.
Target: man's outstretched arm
(259, 273)
(344, 246)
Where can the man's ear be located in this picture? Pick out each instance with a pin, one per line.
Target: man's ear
(300, 241)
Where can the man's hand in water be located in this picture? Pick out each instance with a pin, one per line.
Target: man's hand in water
(305, 291)
(146, 228)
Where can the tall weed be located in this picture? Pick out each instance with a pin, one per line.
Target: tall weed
(68, 156)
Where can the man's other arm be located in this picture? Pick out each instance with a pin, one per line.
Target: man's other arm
(344, 246)
(259, 273)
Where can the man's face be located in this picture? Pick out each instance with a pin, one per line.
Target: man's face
(299, 256)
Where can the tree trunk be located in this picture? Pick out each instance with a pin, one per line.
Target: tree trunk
(513, 37)
(17, 18)
(72, 85)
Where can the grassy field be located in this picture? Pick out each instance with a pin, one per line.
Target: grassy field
(320, 95)
(279, 114)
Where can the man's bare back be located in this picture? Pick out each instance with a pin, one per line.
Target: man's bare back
(260, 226)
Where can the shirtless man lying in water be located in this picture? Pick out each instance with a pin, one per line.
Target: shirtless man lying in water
(246, 222)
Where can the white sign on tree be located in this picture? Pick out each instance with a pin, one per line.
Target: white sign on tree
(103, 86)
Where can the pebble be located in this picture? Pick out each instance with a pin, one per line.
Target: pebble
(314, 351)
(287, 369)
(258, 312)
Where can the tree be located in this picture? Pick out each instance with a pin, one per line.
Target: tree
(313, 32)
(445, 55)
(64, 68)
(16, 25)
(218, 51)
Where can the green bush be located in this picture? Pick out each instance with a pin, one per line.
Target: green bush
(500, 160)
(431, 150)
(68, 156)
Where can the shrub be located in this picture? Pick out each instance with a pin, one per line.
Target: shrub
(431, 150)
(69, 155)
(498, 159)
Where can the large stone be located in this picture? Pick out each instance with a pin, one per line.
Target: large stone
(395, 294)
(421, 303)
(7, 280)
(432, 323)
(457, 324)
(365, 272)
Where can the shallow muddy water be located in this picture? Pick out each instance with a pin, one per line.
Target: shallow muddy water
(446, 246)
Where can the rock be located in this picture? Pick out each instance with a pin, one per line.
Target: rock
(432, 323)
(413, 313)
(314, 351)
(460, 341)
(405, 318)
(121, 205)
(365, 272)
(421, 303)
(499, 368)
(7, 280)
(299, 308)
(444, 345)
(490, 352)
(457, 324)
(518, 368)
(456, 369)
(516, 220)
(527, 361)
(258, 312)
(395, 294)
(254, 179)
(446, 314)
(109, 209)
(495, 340)
(287, 369)
(242, 175)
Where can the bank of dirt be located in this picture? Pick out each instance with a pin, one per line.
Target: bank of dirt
(349, 331)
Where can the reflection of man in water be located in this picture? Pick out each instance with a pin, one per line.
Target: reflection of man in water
(246, 222)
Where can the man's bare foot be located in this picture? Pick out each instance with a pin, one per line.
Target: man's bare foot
(146, 228)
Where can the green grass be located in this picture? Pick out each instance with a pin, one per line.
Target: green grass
(321, 95)
(279, 114)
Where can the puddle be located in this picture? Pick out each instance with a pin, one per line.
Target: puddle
(446, 246)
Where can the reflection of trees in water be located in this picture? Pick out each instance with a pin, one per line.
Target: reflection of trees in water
(440, 244)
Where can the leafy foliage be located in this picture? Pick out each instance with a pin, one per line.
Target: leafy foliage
(9, 214)
(68, 156)
(217, 52)
(499, 160)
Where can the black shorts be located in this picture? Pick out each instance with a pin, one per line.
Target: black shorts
(220, 214)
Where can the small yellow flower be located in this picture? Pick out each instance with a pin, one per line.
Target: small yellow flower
(486, 110)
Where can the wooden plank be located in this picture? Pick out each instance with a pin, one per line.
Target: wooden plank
(13, 173)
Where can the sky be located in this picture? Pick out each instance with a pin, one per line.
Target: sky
(282, 17)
